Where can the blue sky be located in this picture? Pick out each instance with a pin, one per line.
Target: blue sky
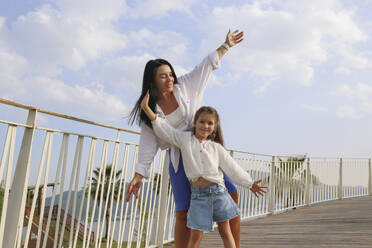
(300, 82)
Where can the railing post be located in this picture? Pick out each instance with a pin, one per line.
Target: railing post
(369, 177)
(18, 191)
(271, 200)
(308, 183)
(163, 202)
(340, 186)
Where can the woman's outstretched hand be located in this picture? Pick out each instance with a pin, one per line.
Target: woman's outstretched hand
(234, 38)
(256, 188)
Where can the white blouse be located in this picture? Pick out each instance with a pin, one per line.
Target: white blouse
(189, 95)
(175, 118)
(202, 159)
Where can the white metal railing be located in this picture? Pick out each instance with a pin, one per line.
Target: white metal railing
(67, 188)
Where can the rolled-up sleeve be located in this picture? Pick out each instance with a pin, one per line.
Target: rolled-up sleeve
(195, 81)
(148, 147)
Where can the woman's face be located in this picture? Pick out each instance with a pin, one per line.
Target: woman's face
(164, 79)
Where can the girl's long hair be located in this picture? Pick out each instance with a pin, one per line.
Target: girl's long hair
(148, 84)
(216, 136)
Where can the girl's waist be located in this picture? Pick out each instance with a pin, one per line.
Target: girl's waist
(201, 182)
(210, 188)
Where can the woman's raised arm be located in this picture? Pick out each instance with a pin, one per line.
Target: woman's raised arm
(195, 82)
(231, 40)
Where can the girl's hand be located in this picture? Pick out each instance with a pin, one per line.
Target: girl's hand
(234, 38)
(146, 108)
(256, 188)
(145, 102)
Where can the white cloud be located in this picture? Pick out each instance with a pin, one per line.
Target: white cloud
(343, 70)
(347, 111)
(351, 59)
(90, 101)
(165, 44)
(153, 8)
(127, 71)
(366, 106)
(93, 10)
(38, 46)
(315, 108)
(360, 91)
(65, 37)
(124, 72)
(12, 68)
(360, 94)
(287, 39)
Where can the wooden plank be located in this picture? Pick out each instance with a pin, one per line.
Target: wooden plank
(344, 223)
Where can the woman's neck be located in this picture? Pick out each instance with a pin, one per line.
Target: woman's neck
(165, 96)
(167, 102)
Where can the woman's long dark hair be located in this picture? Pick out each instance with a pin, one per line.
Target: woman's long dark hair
(216, 136)
(148, 84)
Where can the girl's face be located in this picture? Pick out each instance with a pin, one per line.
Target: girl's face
(164, 79)
(204, 125)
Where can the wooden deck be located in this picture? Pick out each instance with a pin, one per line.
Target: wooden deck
(346, 223)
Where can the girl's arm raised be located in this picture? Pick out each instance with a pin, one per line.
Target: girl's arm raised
(160, 126)
(146, 108)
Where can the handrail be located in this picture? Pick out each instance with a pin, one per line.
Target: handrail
(24, 106)
(148, 220)
(20, 105)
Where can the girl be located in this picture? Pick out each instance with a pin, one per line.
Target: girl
(203, 157)
(177, 99)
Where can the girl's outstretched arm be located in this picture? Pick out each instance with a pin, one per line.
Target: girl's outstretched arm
(237, 174)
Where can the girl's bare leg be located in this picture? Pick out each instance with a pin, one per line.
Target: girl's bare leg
(181, 232)
(226, 235)
(235, 223)
(195, 238)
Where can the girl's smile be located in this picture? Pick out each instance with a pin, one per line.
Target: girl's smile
(204, 126)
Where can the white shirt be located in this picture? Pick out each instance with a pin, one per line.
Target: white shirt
(202, 159)
(189, 95)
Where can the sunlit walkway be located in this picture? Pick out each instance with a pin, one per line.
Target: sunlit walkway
(346, 223)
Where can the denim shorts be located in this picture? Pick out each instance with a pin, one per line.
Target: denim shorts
(208, 204)
(181, 185)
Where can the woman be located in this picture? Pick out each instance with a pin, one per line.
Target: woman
(176, 99)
